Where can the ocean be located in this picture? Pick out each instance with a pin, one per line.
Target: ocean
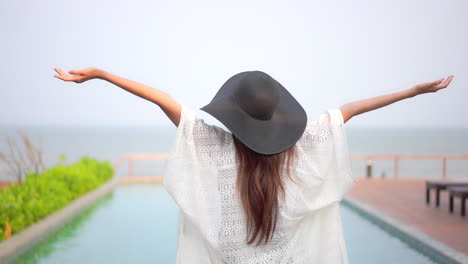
(110, 143)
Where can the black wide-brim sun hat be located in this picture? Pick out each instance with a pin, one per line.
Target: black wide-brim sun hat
(259, 111)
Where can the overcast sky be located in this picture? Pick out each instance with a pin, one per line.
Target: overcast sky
(326, 53)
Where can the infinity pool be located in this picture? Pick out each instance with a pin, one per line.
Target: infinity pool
(138, 224)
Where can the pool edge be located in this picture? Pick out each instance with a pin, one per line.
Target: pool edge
(30, 236)
(421, 241)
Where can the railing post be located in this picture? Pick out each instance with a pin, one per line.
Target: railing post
(369, 168)
(444, 163)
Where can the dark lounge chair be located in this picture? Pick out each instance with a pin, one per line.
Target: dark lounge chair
(461, 192)
(439, 186)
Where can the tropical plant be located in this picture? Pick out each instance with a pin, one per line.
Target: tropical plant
(42, 194)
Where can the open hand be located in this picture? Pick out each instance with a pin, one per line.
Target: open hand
(432, 87)
(77, 76)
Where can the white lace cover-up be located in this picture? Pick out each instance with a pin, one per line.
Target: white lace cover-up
(201, 175)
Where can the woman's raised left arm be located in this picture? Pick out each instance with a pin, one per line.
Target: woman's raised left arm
(358, 107)
(169, 106)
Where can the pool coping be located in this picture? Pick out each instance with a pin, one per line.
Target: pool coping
(419, 240)
(31, 235)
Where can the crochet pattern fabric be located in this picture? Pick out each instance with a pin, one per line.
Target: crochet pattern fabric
(201, 177)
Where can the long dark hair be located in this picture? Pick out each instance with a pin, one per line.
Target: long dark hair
(260, 184)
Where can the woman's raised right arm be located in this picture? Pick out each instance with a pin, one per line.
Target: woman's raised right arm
(358, 107)
(170, 106)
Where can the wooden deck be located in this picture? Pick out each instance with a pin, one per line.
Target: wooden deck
(405, 200)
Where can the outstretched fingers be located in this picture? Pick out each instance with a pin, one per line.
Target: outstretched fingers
(66, 77)
(444, 83)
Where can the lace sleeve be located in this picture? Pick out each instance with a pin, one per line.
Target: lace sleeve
(192, 182)
(324, 168)
(213, 145)
(342, 175)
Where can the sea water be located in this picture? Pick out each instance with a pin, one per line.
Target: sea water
(111, 142)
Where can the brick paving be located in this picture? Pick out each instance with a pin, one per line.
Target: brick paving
(405, 200)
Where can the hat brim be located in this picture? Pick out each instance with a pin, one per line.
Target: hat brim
(272, 136)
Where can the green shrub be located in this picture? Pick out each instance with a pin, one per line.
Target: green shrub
(42, 194)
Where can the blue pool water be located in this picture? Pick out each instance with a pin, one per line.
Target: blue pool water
(138, 224)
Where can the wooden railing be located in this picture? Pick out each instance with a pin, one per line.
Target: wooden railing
(130, 158)
(397, 157)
